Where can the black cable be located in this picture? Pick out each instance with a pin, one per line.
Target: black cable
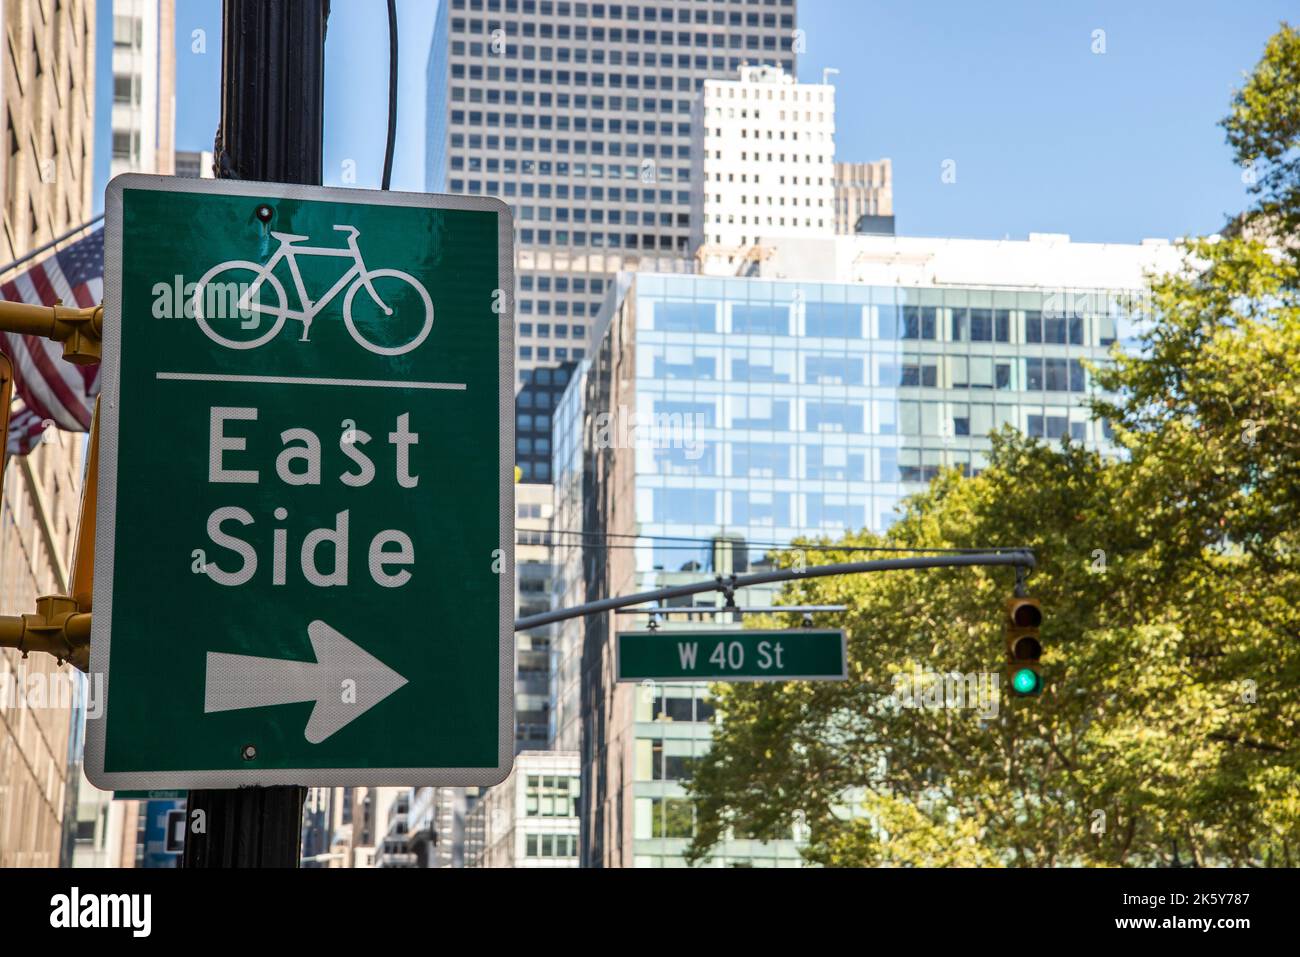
(392, 93)
(760, 543)
(767, 546)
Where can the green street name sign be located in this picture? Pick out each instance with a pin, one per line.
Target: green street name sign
(801, 654)
(304, 565)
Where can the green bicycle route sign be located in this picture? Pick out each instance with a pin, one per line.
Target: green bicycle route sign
(801, 654)
(304, 555)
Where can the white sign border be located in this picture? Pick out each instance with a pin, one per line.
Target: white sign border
(102, 603)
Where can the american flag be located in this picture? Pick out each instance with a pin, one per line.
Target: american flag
(51, 391)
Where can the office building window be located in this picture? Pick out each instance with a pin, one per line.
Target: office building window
(551, 795)
(551, 845)
(919, 322)
(128, 32)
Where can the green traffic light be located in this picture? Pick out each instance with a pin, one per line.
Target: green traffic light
(1025, 681)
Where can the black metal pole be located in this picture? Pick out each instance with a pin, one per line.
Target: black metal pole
(272, 121)
(272, 91)
(1017, 558)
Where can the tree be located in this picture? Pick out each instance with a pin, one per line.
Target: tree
(1263, 130)
(1170, 579)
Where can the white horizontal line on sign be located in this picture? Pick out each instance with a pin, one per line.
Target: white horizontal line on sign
(309, 380)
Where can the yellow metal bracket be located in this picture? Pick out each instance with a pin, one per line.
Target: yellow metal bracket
(57, 628)
(80, 330)
(60, 625)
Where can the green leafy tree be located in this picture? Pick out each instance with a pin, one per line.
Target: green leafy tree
(1263, 130)
(1169, 575)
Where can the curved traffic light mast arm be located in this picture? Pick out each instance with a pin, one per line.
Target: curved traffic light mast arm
(1021, 559)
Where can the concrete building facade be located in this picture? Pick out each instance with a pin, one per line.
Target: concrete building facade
(437, 825)
(194, 164)
(144, 87)
(533, 595)
(763, 164)
(393, 849)
(862, 189)
(46, 83)
(37, 696)
(531, 818)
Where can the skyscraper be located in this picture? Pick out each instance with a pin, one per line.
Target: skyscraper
(806, 400)
(579, 116)
(534, 404)
(144, 89)
(763, 165)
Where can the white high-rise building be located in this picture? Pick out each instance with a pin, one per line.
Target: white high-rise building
(144, 87)
(531, 818)
(763, 163)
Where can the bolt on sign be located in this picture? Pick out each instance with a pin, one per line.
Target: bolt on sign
(304, 558)
(800, 654)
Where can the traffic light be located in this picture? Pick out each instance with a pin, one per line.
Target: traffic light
(1024, 647)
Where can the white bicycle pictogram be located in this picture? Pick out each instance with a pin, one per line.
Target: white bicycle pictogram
(359, 275)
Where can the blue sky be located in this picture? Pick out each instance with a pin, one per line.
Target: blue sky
(1046, 135)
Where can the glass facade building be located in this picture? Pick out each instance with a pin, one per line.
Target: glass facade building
(534, 404)
(757, 411)
(822, 405)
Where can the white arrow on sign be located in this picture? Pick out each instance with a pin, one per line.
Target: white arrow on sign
(344, 681)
